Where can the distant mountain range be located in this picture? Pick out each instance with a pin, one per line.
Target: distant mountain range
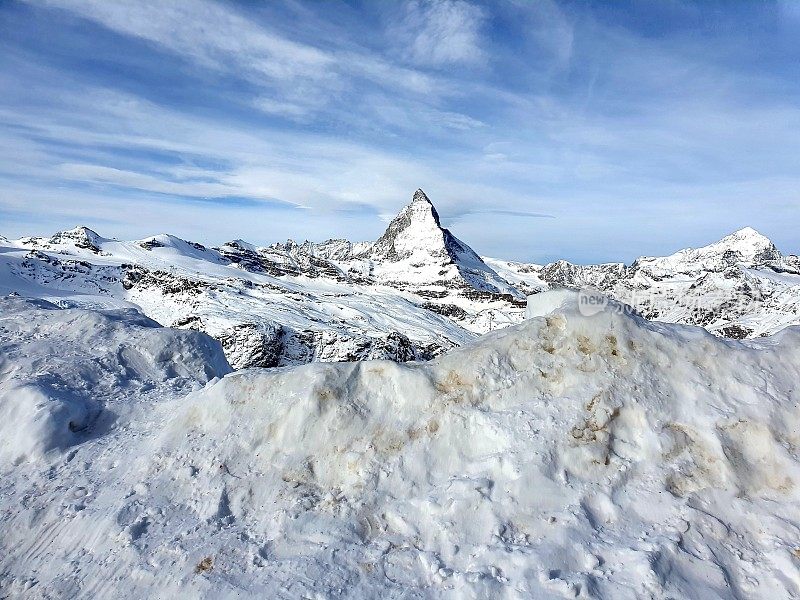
(410, 295)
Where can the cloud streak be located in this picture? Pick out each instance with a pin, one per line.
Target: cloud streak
(440, 33)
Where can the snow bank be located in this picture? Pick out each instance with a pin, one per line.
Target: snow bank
(569, 456)
(60, 369)
(544, 303)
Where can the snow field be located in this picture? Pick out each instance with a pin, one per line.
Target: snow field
(568, 456)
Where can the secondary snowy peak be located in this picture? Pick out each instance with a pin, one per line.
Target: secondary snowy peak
(745, 247)
(80, 237)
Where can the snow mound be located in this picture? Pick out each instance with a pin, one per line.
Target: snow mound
(61, 369)
(544, 303)
(568, 456)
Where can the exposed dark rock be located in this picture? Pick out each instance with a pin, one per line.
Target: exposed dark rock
(167, 283)
(253, 345)
(736, 332)
(447, 310)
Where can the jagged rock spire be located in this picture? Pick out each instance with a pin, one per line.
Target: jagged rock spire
(420, 196)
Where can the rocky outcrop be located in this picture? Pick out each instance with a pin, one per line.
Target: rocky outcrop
(273, 345)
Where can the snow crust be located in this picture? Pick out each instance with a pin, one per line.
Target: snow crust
(567, 456)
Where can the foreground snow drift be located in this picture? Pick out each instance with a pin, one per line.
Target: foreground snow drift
(568, 456)
(64, 372)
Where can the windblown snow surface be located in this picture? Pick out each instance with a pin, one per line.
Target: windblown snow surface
(568, 456)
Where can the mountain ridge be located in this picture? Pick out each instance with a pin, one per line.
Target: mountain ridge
(411, 294)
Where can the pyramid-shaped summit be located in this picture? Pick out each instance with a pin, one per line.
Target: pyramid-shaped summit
(80, 237)
(415, 230)
(417, 248)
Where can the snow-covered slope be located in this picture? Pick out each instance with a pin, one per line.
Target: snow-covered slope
(568, 456)
(412, 294)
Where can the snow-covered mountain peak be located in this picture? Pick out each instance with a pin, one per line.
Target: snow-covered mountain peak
(416, 249)
(421, 196)
(416, 230)
(80, 236)
(750, 246)
(172, 248)
(746, 247)
(747, 232)
(241, 244)
(80, 230)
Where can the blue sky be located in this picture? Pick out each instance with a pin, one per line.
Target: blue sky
(541, 130)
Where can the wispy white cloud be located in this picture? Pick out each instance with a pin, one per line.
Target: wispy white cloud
(550, 27)
(91, 173)
(300, 77)
(208, 33)
(440, 33)
(294, 111)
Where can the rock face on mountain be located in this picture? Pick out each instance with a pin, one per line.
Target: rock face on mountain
(416, 250)
(273, 345)
(414, 293)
